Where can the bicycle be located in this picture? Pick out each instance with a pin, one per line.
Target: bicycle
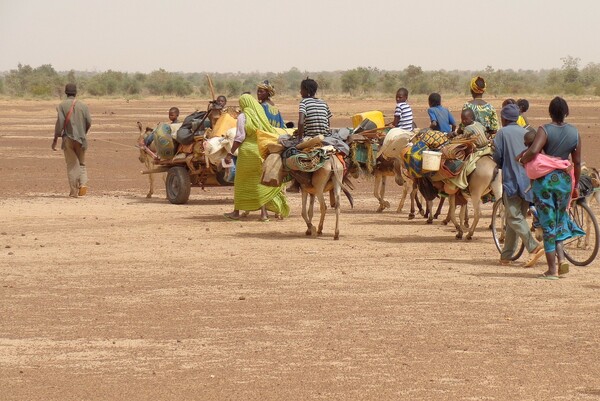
(580, 251)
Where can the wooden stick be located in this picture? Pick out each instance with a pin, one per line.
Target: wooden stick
(369, 131)
(211, 87)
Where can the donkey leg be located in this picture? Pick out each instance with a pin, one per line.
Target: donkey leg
(476, 212)
(439, 208)
(385, 204)
(452, 214)
(309, 226)
(150, 177)
(418, 202)
(376, 185)
(429, 211)
(323, 210)
(403, 198)
(337, 191)
(151, 190)
(413, 195)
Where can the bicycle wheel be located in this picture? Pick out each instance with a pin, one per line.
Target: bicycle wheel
(581, 251)
(499, 230)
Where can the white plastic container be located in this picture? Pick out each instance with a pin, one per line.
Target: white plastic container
(431, 160)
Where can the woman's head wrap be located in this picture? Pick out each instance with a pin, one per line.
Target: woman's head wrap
(268, 87)
(476, 88)
(256, 119)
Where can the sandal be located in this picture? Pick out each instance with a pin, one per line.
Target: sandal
(563, 268)
(534, 256)
(231, 216)
(548, 277)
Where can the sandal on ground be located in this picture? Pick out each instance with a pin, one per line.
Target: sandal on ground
(534, 256)
(264, 219)
(505, 262)
(548, 277)
(563, 268)
(82, 190)
(231, 216)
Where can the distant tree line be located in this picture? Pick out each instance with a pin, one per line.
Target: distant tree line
(45, 81)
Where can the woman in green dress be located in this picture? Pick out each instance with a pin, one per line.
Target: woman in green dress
(249, 193)
(484, 112)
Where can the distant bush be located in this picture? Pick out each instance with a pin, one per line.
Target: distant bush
(44, 81)
(41, 81)
(161, 82)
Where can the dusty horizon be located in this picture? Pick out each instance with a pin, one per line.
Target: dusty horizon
(182, 36)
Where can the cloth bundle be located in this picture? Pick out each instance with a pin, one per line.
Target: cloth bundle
(453, 156)
(307, 162)
(413, 159)
(433, 139)
(461, 179)
(165, 147)
(458, 150)
(263, 139)
(273, 173)
(363, 153)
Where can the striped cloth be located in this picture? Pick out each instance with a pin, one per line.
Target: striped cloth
(249, 193)
(316, 117)
(405, 114)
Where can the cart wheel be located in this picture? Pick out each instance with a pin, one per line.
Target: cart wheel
(178, 185)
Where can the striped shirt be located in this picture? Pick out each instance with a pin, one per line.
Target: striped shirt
(405, 114)
(316, 116)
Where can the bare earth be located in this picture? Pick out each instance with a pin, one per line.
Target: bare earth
(117, 297)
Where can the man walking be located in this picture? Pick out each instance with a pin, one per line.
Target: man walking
(509, 142)
(72, 124)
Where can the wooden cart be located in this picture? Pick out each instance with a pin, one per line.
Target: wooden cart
(187, 170)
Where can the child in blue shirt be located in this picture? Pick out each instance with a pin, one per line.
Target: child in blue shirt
(441, 119)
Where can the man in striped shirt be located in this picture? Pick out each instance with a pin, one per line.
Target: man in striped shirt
(403, 115)
(314, 113)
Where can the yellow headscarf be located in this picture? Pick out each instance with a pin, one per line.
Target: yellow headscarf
(256, 119)
(268, 87)
(475, 88)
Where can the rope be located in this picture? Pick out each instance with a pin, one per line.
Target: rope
(115, 143)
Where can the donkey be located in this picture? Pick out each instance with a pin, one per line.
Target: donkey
(485, 176)
(389, 164)
(145, 158)
(383, 170)
(328, 178)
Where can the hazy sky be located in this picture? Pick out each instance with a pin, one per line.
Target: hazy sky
(312, 35)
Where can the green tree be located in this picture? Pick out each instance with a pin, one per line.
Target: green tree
(570, 69)
(234, 87)
(389, 82)
(361, 79)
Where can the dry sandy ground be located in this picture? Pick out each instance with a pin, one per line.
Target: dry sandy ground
(118, 297)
